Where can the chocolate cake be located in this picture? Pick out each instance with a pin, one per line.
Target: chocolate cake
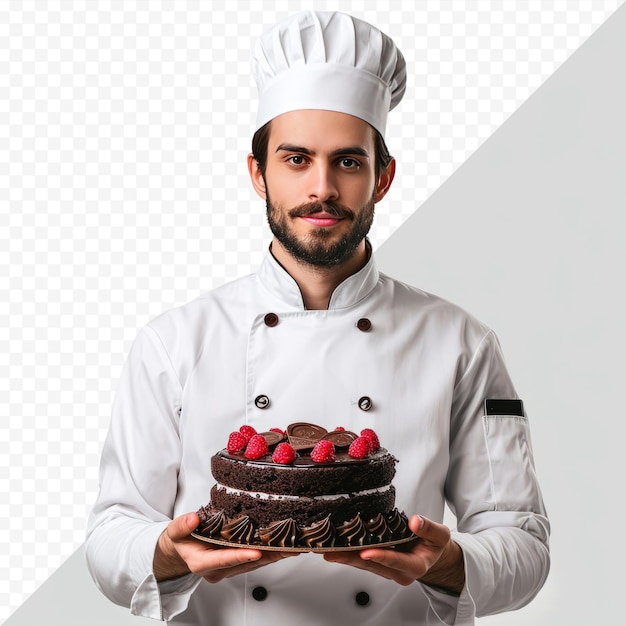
(306, 488)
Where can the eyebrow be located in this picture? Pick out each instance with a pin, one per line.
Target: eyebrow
(355, 150)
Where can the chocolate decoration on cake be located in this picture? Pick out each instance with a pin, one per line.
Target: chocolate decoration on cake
(238, 531)
(379, 528)
(341, 438)
(304, 436)
(319, 535)
(211, 524)
(354, 533)
(399, 524)
(282, 533)
(272, 438)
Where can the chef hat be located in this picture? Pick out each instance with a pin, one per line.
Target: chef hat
(330, 61)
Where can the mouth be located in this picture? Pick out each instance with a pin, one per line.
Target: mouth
(322, 220)
(321, 215)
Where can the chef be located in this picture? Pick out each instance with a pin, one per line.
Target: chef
(319, 335)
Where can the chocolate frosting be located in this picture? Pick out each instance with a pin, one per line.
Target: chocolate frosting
(379, 528)
(240, 530)
(283, 533)
(353, 532)
(287, 534)
(319, 535)
(212, 525)
(398, 524)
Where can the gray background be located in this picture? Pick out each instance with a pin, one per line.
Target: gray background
(525, 235)
(529, 236)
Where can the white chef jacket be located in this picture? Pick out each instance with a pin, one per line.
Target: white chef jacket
(421, 367)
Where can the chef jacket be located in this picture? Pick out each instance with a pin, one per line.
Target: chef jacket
(386, 356)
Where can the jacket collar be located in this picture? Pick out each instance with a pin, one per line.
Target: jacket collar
(282, 286)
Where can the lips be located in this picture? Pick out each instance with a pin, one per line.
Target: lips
(322, 219)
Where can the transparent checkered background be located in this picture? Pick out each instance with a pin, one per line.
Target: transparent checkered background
(124, 127)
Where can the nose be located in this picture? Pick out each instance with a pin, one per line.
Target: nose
(322, 183)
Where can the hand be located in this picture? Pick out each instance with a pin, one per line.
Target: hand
(434, 558)
(177, 553)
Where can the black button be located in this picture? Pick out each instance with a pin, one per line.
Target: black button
(271, 319)
(262, 402)
(364, 324)
(365, 403)
(260, 593)
(362, 598)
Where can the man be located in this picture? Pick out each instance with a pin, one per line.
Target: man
(429, 371)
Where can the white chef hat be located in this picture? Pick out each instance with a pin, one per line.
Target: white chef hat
(330, 61)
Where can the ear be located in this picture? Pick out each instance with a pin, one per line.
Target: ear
(258, 182)
(384, 181)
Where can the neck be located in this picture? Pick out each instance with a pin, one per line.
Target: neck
(318, 283)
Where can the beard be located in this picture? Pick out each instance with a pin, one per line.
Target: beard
(320, 247)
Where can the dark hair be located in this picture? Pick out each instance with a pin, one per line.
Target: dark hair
(382, 158)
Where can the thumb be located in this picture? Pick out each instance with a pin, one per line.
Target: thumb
(425, 528)
(182, 526)
(416, 524)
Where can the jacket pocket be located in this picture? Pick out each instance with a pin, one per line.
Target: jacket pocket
(513, 477)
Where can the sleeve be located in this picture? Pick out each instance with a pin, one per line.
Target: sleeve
(138, 485)
(492, 488)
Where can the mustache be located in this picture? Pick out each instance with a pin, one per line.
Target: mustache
(311, 208)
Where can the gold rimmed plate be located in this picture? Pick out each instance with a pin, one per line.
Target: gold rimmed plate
(230, 544)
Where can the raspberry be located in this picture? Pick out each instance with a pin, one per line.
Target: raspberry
(323, 451)
(372, 437)
(277, 430)
(236, 442)
(284, 454)
(339, 428)
(247, 431)
(359, 448)
(256, 448)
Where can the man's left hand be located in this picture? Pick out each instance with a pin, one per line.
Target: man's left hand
(433, 559)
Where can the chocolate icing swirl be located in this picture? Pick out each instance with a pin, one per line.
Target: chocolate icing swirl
(240, 530)
(212, 523)
(379, 528)
(283, 533)
(319, 535)
(398, 524)
(353, 532)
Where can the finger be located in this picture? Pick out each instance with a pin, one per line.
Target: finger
(372, 559)
(245, 568)
(182, 526)
(201, 560)
(416, 523)
(402, 575)
(431, 532)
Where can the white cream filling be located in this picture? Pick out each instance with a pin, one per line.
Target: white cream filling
(273, 496)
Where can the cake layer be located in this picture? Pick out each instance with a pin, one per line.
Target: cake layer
(304, 510)
(304, 477)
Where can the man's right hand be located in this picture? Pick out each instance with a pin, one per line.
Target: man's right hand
(178, 553)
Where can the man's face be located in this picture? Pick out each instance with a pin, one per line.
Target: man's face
(320, 184)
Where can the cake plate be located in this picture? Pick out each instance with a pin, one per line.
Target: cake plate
(230, 544)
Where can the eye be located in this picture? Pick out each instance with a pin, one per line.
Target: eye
(348, 163)
(297, 160)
